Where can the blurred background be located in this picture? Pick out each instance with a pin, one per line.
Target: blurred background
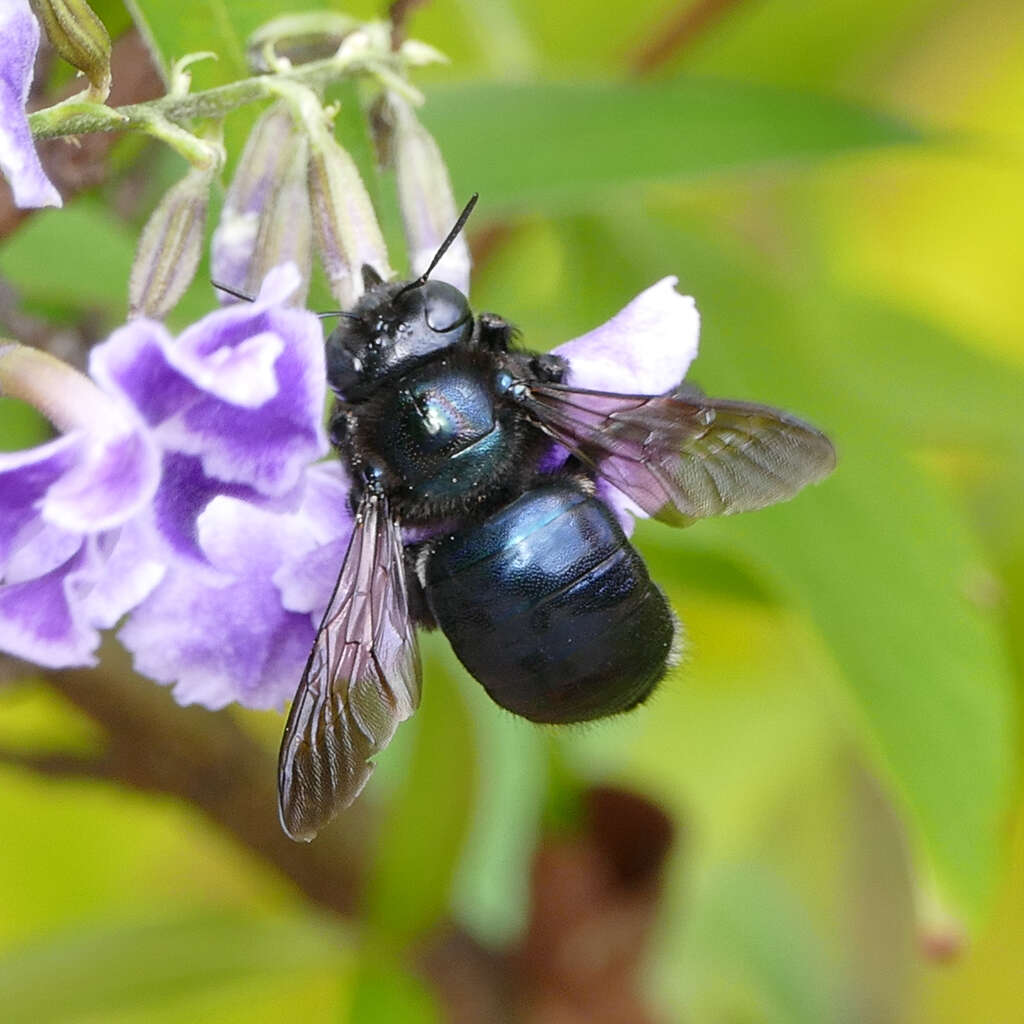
(818, 818)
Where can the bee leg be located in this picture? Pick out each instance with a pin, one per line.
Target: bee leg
(548, 368)
(338, 427)
(494, 332)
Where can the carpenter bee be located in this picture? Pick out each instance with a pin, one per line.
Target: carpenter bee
(443, 423)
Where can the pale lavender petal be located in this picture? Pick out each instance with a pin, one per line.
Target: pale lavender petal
(242, 374)
(185, 491)
(25, 477)
(113, 479)
(41, 620)
(307, 574)
(38, 549)
(132, 362)
(129, 574)
(53, 617)
(326, 501)
(305, 583)
(243, 389)
(228, 638)
(18, 159)
(645, 349)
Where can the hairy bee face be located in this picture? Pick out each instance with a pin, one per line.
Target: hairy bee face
(392, 329)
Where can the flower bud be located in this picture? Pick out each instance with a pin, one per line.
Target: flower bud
(348, 235)
(424, 195)
(266, 220)
(79, 37)
(170, 246)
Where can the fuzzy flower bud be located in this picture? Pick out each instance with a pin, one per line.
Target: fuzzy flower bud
(79, 37)
(170, 246)
(347, 233)
(424, 194)
(266, 220)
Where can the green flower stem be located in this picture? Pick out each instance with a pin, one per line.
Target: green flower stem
(196, 151)
(156, 117)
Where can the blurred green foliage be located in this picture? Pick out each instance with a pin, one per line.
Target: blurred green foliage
(839, 186)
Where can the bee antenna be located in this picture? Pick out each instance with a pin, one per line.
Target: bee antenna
(231, 291)
(249, 298)
(444, 247)
(338, 312)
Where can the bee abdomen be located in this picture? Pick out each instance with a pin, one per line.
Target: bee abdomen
(548, 605)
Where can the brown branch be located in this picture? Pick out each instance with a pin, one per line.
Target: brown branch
(398, 14)
(683, 27)
(595, 893)
(64, 766)
(207, 760)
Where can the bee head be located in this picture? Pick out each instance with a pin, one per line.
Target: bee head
(392, 328)
(395, 326)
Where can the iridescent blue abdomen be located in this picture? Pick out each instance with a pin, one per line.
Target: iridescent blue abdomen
(547, 604)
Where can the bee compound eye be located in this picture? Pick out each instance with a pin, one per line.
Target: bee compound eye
(444, 307)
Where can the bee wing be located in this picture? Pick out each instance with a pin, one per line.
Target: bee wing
(682, 456)
(362, 679)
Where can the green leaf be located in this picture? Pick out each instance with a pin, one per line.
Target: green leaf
(420, 842)
(883, 563)
(491, 895)
(753, 955)
(914, 380)
(878, 556)
(79, 256)
(112, 969)
(385, 993)
(563, 143)
(221, 26)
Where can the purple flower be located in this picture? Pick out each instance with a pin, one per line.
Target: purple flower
(235, 403)
(243, 632)
(71, 562)
(92, 521)
(18, 160)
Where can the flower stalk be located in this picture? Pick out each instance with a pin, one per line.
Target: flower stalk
(361, 53)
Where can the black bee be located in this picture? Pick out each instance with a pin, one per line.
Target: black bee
(443, 423)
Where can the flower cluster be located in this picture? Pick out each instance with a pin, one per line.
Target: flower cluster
(187, 496)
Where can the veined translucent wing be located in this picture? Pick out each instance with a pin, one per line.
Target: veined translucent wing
(362, 679)
(682, 456)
